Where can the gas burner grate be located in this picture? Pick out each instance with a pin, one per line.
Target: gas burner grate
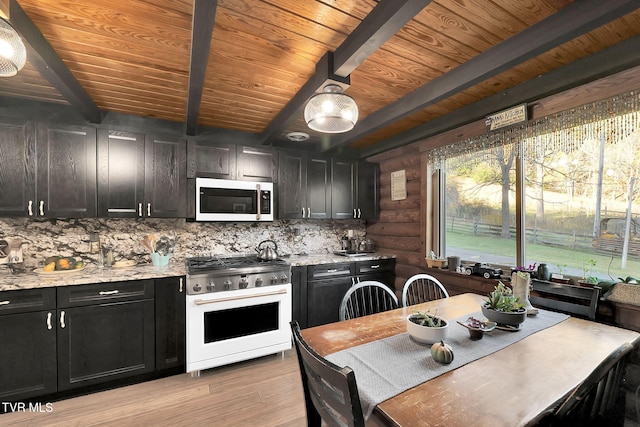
(203, 264)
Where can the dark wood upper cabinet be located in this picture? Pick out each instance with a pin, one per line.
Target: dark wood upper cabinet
(165, 177)
(368, 190)
(210, 160)
(230, 161)
(121, 174)
(304, 186)
(343, 189)
(141, 176)
(18, 166)
(66, 171)
(47, 170)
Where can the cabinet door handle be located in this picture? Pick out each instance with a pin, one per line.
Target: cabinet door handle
(30, 208)
(115, 291)
(354, 213)
(148, 209)
(375, 266)
(308, 212)
(180, 290)
(359, 213)
(41, 207)
(49, 315)
(139, 209)
(6, 302)
(302, 212)
(62, 324)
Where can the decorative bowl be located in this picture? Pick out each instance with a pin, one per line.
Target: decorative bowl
(427, 334)
(477, 328)
(503, 318)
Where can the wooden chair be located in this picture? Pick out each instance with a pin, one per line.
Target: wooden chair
(565, 298)
(596, 401)
(422, 288)
(330, 392)
(365, 298)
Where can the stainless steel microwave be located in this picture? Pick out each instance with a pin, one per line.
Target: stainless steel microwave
(228, 200)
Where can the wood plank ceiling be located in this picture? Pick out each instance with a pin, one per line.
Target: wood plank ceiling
(415, 67)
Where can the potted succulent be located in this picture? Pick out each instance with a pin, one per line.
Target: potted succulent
(503, 307)
(427, 328)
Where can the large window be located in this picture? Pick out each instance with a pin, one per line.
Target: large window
(581, 210)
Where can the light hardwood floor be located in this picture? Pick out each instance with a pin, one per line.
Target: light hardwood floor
(259, 393)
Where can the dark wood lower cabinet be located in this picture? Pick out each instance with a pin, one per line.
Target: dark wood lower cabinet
(27, 355)
(100, 343)
(324, 298)
(61, 342)
(170, 314)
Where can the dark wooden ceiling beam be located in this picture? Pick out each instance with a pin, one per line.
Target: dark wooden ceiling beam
(41, 55)
(376, 28)
(387, 18)
(574, 20)
(204, 14)
(621, 57)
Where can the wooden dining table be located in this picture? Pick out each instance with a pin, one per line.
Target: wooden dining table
(507, 388)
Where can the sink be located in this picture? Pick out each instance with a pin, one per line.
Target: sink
(352, 253)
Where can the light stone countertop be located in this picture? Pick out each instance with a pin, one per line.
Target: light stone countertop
(93, 274)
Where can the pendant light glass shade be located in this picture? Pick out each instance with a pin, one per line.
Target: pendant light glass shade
(13, 54)
(331, 111)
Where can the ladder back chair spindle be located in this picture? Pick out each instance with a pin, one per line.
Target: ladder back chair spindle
(422, 288)
(366, 298)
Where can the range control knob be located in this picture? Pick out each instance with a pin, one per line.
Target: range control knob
(197, 288)
(244, 283)
(211, 286)
(258, 282)
(283, 278)
(227, 284)
(274, 280)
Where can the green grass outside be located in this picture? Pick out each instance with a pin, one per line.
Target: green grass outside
(605, 269)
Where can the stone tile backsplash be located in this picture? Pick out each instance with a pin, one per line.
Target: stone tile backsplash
(70, 237)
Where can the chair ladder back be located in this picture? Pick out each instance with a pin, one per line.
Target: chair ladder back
(422, 288)
(366, 298)
(596, 398)
(331, 392)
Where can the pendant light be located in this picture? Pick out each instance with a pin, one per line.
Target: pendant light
(331, 111)
(13, 54)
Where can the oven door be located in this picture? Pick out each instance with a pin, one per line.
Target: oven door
(228, 327)
(226, 200)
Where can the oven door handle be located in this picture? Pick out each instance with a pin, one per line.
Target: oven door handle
(202, 301)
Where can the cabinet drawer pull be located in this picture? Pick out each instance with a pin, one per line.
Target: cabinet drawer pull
(30, 208)
(49, 315)
(139, 209)
(148, 209)
(41, 207)
(333, 270)
(375, 266)
(62, 324)
(7, 302)
(115, 291)
(180, 290)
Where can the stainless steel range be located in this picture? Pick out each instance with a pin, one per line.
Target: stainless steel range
(238, 308)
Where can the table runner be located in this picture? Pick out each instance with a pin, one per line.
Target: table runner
(390, 366)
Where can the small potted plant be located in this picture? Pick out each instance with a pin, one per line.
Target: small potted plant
(503, 307)
(427, 328)
(588, 280)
